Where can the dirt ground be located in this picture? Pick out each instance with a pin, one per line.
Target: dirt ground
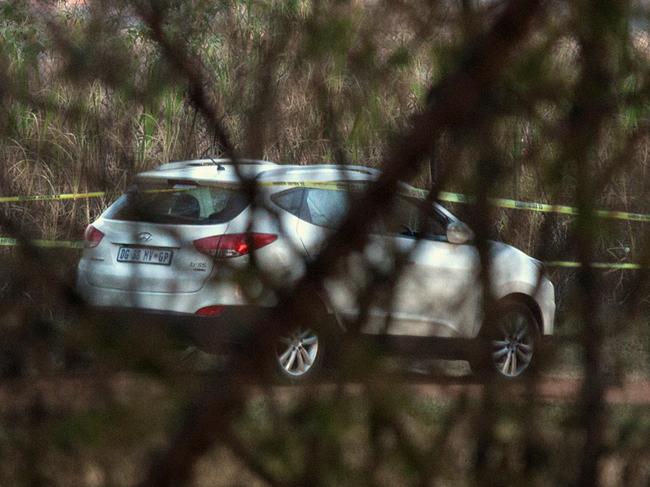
(552, 389)
(78, 392)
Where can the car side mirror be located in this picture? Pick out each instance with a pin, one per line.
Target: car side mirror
(459, 233)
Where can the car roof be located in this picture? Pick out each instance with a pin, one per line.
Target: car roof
(318, 172)
(208, 171)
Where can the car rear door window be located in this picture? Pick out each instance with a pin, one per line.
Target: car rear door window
(325, 207)
(290, 200)
(322, 207)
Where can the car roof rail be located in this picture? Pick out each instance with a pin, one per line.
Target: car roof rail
(344, 168)
(213, 162)
(332, 170)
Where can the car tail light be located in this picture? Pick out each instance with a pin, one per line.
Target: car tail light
(92, 236)
(210, 311)
(233, 244)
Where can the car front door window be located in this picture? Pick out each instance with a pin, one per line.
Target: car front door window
(410, 218)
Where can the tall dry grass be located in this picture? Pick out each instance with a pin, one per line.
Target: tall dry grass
(65, 135)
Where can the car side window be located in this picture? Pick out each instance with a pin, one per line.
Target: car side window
(411, 218)
(321, 207)
(290, 200)
(326, 207)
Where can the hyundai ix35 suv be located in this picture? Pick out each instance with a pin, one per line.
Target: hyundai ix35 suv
(182, 238)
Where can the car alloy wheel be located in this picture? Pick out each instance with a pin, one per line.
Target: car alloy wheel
(513, 343)
(297, 354)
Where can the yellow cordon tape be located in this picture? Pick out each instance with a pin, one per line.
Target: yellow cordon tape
(52, 197)
(543, 207)
(67, 244)
(446, 196)
(621, 266)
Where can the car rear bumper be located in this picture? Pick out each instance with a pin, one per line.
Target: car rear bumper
(213, 293)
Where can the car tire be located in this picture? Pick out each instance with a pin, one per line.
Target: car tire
(508, 342)
(299, 355)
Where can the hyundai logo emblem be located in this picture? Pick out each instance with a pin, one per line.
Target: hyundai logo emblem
(144, 236)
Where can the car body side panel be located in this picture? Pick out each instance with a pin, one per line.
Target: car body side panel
(514, 272)
(435, 294)
(436, 289)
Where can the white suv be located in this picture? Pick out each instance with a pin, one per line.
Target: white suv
(181, 241)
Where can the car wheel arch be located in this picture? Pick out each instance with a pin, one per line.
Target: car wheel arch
(480, 359)
(529, 302)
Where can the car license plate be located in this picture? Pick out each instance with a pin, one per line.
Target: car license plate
(144, 255)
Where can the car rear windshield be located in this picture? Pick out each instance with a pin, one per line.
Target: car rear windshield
(200, 205)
